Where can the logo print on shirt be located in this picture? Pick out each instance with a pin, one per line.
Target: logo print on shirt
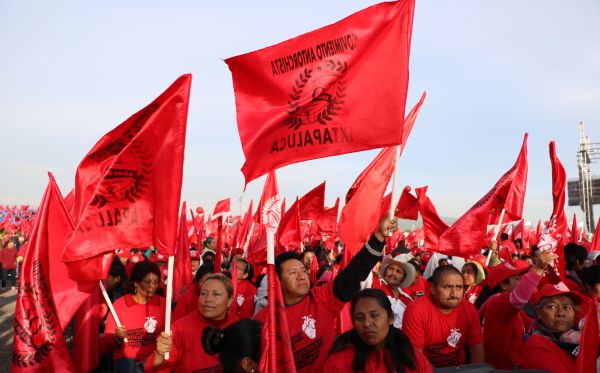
(454, 337)
(240, 299)
(150, 324)
(472, 298)
(308, 326)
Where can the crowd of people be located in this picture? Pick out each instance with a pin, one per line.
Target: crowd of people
(388, 310)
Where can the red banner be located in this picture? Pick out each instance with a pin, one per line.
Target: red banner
(222, 207)
(310, 97)
(128, 186)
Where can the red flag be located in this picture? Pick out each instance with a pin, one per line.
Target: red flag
(70, 201)
(363, 202)
(309, 97)
(553, 235)
(128, 186)
(596, 239)
(182, 272)
(267, 215)
(327, 225)
(288, 233)
(222, 207)
(245, 231)
(588, 349)
(575, 233)
(311, 204)
(433, 225)
(39, 345)
(407, 207)
(314, 268)
(467, 235)
(219, 253)
(513, 207)
(276, 323)
(517, 231)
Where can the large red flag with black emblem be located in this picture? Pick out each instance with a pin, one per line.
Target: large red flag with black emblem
(310, 97)
(39, 345)
(467, 235)
(128, 186)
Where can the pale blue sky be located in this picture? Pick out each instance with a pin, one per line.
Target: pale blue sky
(70, 71)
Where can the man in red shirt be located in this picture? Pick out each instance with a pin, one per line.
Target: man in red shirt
(312, 313)
(444, 326)
(8, 259)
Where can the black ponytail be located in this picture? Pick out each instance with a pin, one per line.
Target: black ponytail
(236, 342)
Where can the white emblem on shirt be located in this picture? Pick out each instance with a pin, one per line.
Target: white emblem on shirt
(150, 324)
(308, 326)
(240, 299)
(454, 337)
(472, 297)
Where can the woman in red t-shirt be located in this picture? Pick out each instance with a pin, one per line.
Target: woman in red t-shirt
(501, 305)
(142, 316)
(374, 345)
(187, 354)
(473, 274)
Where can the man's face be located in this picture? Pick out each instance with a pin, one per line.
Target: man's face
(448, 293)
(557, 313)
(307, 259)
(394, 274)
(294, 278)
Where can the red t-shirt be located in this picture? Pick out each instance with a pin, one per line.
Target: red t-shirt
(312, 327)
(472, 293)
(143, 322)
(245, 299)
(8, 258)
(341, 362)
(187, 353)
(188, 302)
(420, 288)
(442, 337)
(503, 331)
(540, 352)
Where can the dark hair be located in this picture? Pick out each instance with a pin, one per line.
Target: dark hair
(226, 281)
(442, 271)
(284, 257)
(503, 236)
(415, 263)
(534, 250)
(401, 352)
(117, 269)
(574, 253)
(203, 270)
(249, 269)
(487, 292)
(590, 276)
(141, 269)
(239, 340)
(322, 269)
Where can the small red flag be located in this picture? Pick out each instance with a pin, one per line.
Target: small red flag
(311, 204)
(467, 235)
(596, 239)
(288, 233)
(309, 97)
(268, 215)
(407, 207)
(433, 225)
(575, 232)
(222, 207)
(554, 233)
(128, 187)
(182, 271)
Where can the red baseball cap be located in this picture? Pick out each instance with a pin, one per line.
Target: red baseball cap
(550, 290)
(503, 271)
(194, 255)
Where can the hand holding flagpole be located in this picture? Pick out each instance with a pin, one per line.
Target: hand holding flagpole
(394, 198)
(110, 307)
(170, 264)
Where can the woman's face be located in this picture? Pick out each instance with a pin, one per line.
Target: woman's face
(147, 287)
(468, 275)
(371, 321)
(557, 313)
(214, 301)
